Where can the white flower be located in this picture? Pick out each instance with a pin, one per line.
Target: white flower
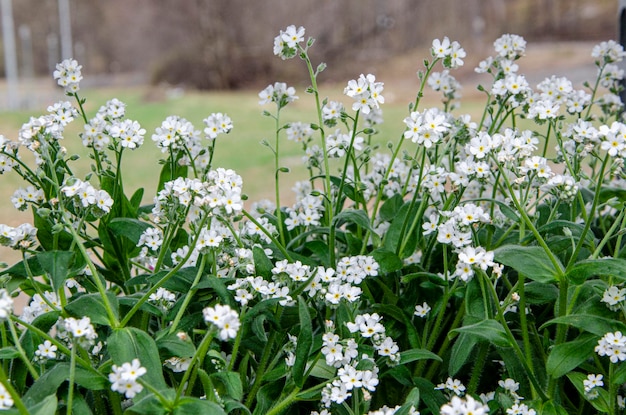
(613, 295)
(6, 304)
(46, 350)
(467, 405)
(225, 319)
(612, 345)
(178, 364)
(81, 330)
(6, 401)
(422, 310)
(124, 378)
(592, 381)
(68, 75)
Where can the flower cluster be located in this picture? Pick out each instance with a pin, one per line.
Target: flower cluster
(85, 195)
(286, 44)
(366, 92)
(612, 345)
(451, 52)
(279, 93)
(125, 378)
(216, 124)
(467, 405)
(68, 75)
(225, 319)
(80, 331)
(590, 384)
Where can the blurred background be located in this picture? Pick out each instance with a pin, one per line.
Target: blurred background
(226, 44)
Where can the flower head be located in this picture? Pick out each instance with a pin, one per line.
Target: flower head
(286, 44)
(225, 319)
(124, 378)
(68, 75)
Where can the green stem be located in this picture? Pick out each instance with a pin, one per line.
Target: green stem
(345, 166)
(235, 350)
(285, 403)
(163, 280)
(521, 286)
(561, 329)
(188, 296)
(479, 367)
(558, 268)
(278, 245)
(594, 206)
(618, 223)
(196, 362)
(520, 354)
(20, 349)
(267, 354)
(70, 390)
(613, 387)
(113, 322)
(17, 399)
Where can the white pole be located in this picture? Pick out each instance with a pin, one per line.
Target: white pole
(10, 57)
(65, 29)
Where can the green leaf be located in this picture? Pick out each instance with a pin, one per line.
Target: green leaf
(321, 370)
(412, 401)
(540, 293)
(552, 408)
(129, 343)
(566, 357)
(172, 345)
(128, 228)
(588, 322)
(601, 403)
(9, 353)
(358, 217)
(57, 264)
(532, 261)
(193, 406)
(490, 330)
(262, 265)
(305, 341)
(433, 398)
(46, 406)
(50, 381)
(92, 306)
(611, 267)
(461, 352)
(167, 174)
(619, 376)
(228, 384)
(412, 355)
(391, 207)
(150, 404)
(387, 260)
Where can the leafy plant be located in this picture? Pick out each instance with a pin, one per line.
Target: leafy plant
(467, 267)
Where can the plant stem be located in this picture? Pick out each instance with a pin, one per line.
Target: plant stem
(284, 404)
(189, 295)
(267, 354)
(20, 349)
(17, 399)
(70, 390)
(196, 361)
